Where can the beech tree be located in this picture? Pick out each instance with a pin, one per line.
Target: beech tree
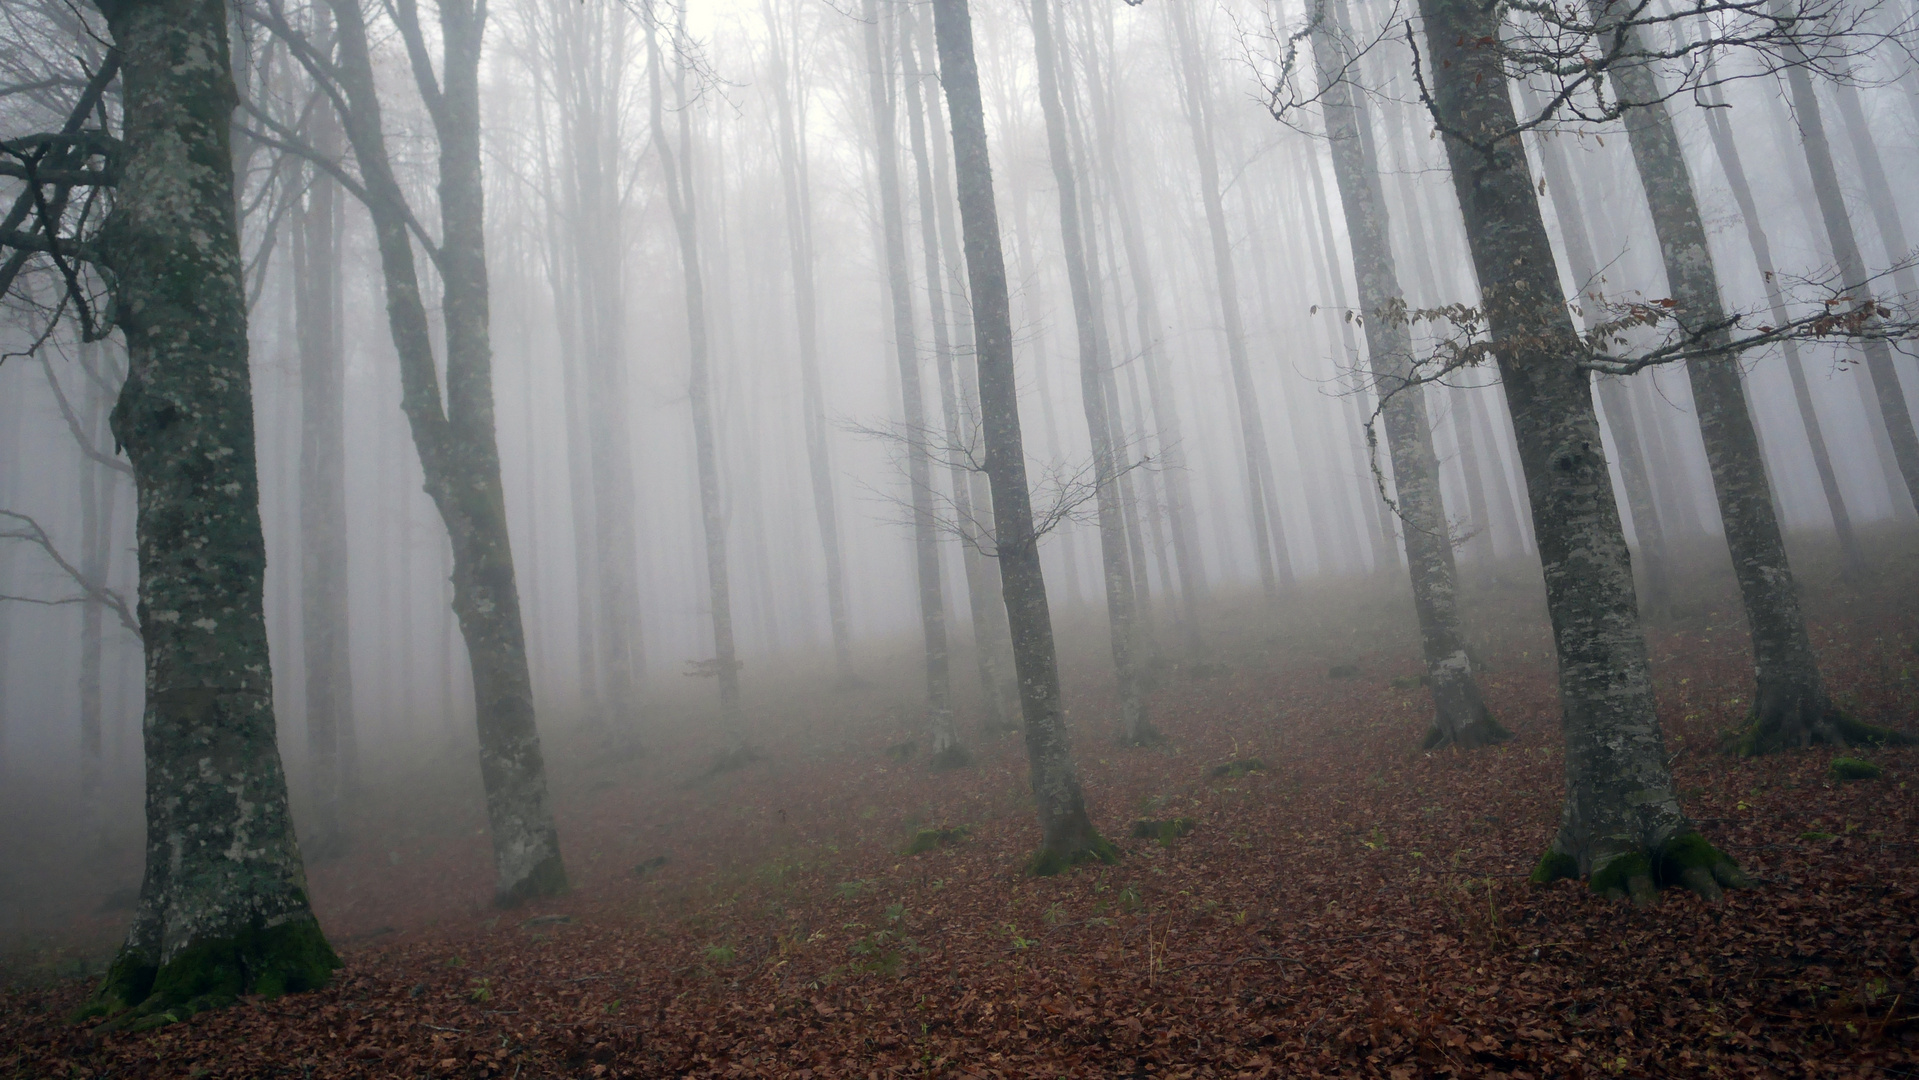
(223, 907)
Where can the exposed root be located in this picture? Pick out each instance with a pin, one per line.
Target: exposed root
(139, 994)
(1047, 862)
(1687, 861)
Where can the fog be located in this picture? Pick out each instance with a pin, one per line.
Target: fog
(595, 404)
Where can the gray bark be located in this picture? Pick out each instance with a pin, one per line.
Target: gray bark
(223, 906)
(799, 232)
(1852, 562)
(946, 747)
(1460, 716)
(1135, 729)
(678, 176)
(1067, 834)
(1621, 818)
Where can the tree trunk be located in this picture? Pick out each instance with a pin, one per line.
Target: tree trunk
(1066, 833)
(1851, 561)
(799, 232)
(1460, 717)
(97, 504)
(1621, 824)
(459, 457)
(680, 204)
(1135, 729)
(323, 532)
(946, 747)
(1790, 705)
(1854, 282)
(979, 589)
(1252, 430)
(223, 907)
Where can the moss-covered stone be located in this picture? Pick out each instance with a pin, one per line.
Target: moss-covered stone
(1165, 832)
(932, 839)
(1852, 768)
(1233, 770)
(212, 974)
(1554, 866)
(1047, 862)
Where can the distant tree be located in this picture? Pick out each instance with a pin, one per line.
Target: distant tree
(223, 907)
(1067, 835)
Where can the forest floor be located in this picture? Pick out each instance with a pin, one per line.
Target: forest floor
(1351, 907)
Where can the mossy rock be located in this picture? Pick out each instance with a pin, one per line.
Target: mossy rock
(1046, 862)
(1165, 832)
(1554, 866)
(1409, 682)
(1233, 770)
(1844, 769)
(932, 839)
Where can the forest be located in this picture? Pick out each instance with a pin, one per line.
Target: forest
(963, 538)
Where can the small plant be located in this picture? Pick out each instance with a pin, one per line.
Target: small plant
(1233, 770)
(1852, 768)
(1020, 942)
(1054, 914)
(1129, 899)
(848, 890)
(931, 839)
(479, 991)
(719, 955)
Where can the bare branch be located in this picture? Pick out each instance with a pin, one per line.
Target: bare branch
(29, 530)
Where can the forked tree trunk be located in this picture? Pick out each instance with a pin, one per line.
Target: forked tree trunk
(1790, 705)
(678, 172)
(1621, 823)
(1135, 729)
(459, 456)
(1460, 717)
(223, 907)
(799, 233)
(919, 467)
(1851, 561)
(1066, 833)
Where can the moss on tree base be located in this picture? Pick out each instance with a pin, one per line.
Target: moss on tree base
(212, 974)
(1047, 862)
(1483, 731)
(1793, 726)
(1687, 860)
(547, 879)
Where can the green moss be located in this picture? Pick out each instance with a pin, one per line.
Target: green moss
(1408, 682)
(1615, 878)
(1688, 851)
(1553, 866)
(1163, 831)
(1233, 770)
(1860, 733)
(932, 839)
(267, 961)
(1852, 768)
(1047, 862)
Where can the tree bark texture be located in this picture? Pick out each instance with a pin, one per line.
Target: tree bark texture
(1066, 832)
(223, 907)
(1621, 822)
(1460, 717)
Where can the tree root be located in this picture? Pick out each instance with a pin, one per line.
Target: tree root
(1047, 862)
(1795, 721)
(138, 994)
(1687, 861)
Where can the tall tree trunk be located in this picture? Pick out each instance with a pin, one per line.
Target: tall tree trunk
(1135, 729)
(1066, 833)
(1851, 561)
(459, 457)
(1854, 282)
(323, 532)
(919, 468)
(680, 203)
(223, 907)
(1622, 824)
(1460, 716)
(979, 589)
(1790, 705)
(1613, 397)
(799, 233)
(1110, 136)
(97, 504)
(1226, 283)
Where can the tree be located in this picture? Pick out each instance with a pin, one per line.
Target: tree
(1460, 717)
(223, 905)
(454, 437)
(1067, 835)
(1621, 826)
